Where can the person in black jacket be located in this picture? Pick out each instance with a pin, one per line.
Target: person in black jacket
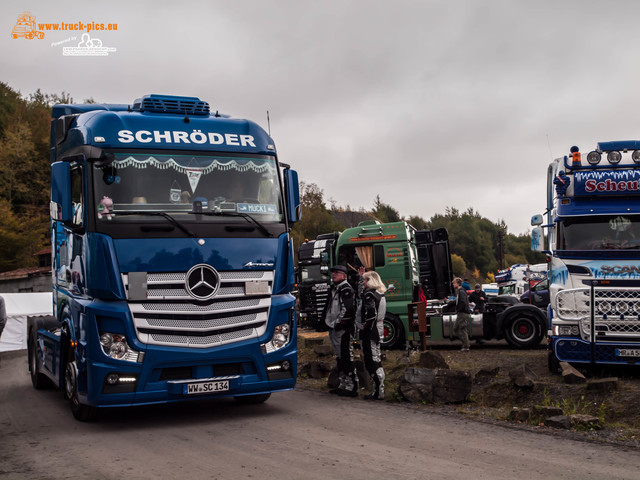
(479, 298)
(339, 315)
(461, 327)
(369, 319)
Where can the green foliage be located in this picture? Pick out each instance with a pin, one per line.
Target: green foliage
(316, 219)
(458, 264)
(385, 213)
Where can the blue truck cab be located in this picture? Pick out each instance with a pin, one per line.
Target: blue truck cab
(593, 246)
(172, 262)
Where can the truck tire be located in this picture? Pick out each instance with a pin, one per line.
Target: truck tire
(522, 330)
(393, 336)
(81, 412)
(553, 363)
(38, 379)
(252, 399)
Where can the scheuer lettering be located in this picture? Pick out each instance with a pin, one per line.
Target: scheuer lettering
(197, 137)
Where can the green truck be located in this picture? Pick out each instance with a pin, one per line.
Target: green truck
(416, 267)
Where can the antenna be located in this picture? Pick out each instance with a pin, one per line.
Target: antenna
(268, 123)
(549, 145)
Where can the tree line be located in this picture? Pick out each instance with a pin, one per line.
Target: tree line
(474, 240)
(25, 184)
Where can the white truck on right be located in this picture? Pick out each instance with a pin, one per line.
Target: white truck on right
(592, 224)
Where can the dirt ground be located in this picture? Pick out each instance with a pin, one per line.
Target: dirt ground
(494, 396)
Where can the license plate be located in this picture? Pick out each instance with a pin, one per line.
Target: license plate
(628, 352)
(206, 387)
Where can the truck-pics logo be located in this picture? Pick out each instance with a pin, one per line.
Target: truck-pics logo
(26, 27)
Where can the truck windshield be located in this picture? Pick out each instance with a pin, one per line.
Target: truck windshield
(221, 187)
(312, 273)
(618, 232)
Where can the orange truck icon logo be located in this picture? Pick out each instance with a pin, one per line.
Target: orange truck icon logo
(26, 27)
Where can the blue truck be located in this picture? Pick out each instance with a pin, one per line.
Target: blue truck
(172, 263)
(593, 244)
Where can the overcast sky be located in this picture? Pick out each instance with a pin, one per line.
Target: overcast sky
(429, 104)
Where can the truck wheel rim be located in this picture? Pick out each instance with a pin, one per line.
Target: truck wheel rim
(523, 329)
(70, 381)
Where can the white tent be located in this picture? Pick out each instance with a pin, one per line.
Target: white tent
(19, 306)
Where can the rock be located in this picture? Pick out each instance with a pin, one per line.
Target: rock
(323, 350)
(318, 369)
(547, 411)
(451, 386)
(416, 393)
(571, 375)
(432, 359)
(415, 375)
(585, 421)
(604, 385)
(435, 385)
(523, 377)
(519, 414)
(333, 380)
(559, 421)
(403, 361)
(311, 342)
(485, 375)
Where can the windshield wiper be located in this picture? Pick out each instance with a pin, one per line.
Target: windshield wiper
(246, 216)
(159, 214)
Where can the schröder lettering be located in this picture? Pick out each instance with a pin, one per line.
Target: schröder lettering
(609, 185)
(197, 137)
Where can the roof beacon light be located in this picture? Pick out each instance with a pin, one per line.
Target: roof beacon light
(594, 157)
(614, 157)
(636, 156)
(575, 156)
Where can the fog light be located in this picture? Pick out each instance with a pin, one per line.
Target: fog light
(614, 157)
(594, 158)
(112, 378)
(286, 365)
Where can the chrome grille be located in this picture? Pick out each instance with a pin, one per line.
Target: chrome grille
(617, 310)
(165, 314)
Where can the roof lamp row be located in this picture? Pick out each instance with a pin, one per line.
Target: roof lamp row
(613, 157)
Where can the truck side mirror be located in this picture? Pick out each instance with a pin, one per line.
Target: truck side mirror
(292, 191)
(536, 220)
(537, 239)
(61, 205)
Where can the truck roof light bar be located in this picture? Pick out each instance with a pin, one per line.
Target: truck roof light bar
(171, 104)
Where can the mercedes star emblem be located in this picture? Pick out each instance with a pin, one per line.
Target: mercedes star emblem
(202, 281)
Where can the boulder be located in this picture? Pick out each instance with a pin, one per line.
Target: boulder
(547, 411)
(519, 414)
(435, 385)
(559, 421)
(323, 350)
(313, 341)
(571, 375)
(485, 375)
(432, 359)
(523, 377)
(585, 421)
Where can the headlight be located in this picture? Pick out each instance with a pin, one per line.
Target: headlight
(115, 346)
(281, 338)
(568, 330)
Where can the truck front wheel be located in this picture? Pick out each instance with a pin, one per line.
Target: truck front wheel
(393, 336)
(81, 412)
(522, 331)
(38, 379)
